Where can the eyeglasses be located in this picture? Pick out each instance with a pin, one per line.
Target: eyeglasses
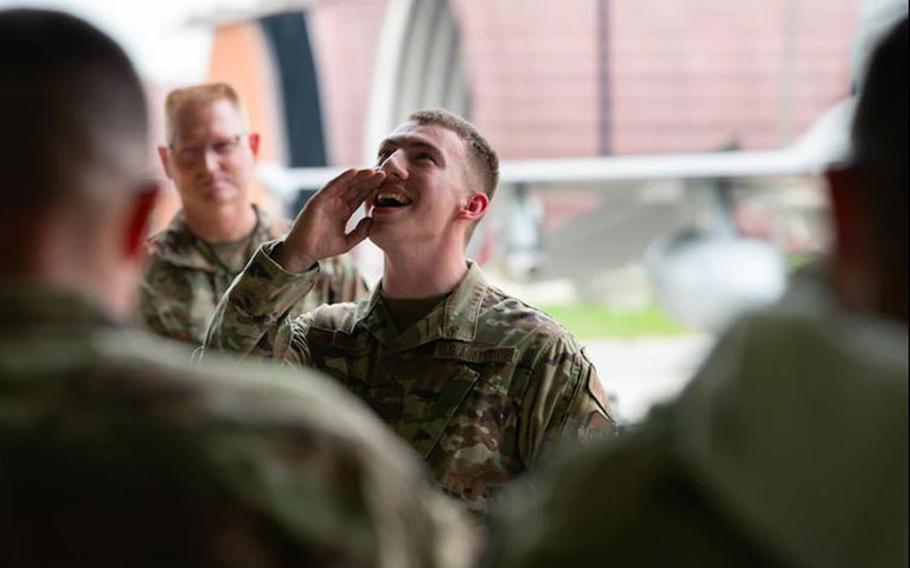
(191, 154)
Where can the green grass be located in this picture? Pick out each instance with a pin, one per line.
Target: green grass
(593, 321)
(796, 261)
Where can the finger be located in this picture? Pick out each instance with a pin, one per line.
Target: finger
(343, 181)
(359, 233)
(358, 193)
(339, 179)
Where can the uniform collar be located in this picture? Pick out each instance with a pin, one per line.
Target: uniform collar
(178, 245)
(454, 319)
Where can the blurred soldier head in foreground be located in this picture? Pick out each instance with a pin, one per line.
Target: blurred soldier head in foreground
(75, 198)
(789, 448)
(870, 194)
(113, 451)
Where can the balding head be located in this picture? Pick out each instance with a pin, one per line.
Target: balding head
(179, 100)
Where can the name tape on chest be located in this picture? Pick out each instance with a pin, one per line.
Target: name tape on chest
(476, 354)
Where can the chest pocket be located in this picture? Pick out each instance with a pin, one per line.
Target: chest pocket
(350, 359)
(343, 356)
(430, 403)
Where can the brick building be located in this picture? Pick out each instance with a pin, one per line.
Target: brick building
(573, 78)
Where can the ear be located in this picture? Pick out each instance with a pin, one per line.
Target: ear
(854, 252)
(474, 206)
(140, 211)
(851, 225)
(254, 143)
(164, 158)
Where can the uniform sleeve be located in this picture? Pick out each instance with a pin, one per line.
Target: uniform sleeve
(252, 316)
(565, 401)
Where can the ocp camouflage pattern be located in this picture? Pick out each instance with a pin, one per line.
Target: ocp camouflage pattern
(481, 387)
(185, 279)
(114, 451)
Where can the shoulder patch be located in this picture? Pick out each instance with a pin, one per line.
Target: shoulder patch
(596, 427)
(596, 389)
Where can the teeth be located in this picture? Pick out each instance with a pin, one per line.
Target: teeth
(389, 199)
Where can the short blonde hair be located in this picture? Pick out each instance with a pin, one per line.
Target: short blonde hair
(484, 158)
(198, 94)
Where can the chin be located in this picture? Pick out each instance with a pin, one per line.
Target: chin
(383, 235)
(223, 196)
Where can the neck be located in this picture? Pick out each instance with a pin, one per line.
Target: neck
(223, 223)
(422, 273)
(64, 256)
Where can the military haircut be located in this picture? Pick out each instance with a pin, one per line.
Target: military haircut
(880, 145)
(484, 158)
(73, 111)
(195, 95)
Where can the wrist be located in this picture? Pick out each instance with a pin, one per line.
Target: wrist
(294, 262)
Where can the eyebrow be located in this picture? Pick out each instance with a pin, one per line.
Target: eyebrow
(408, 142)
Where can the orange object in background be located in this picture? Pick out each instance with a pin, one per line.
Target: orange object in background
(240, 57)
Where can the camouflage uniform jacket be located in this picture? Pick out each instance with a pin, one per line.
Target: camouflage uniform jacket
(185, 279)
(115, 452)
(479, 387)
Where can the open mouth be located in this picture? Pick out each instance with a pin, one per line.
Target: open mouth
(391, 199)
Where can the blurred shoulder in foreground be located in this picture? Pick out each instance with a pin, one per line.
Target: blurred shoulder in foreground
(789, 448)
(113, 450)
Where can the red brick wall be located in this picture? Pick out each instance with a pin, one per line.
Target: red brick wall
(696, 75)
(345, 36)
(684, 75)
(533, 68)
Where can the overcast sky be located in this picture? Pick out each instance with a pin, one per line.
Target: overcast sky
(155, 33)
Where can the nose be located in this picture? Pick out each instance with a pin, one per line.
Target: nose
(210, 159)
(394, 165)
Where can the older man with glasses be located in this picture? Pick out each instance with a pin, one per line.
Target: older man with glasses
(210, 156)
